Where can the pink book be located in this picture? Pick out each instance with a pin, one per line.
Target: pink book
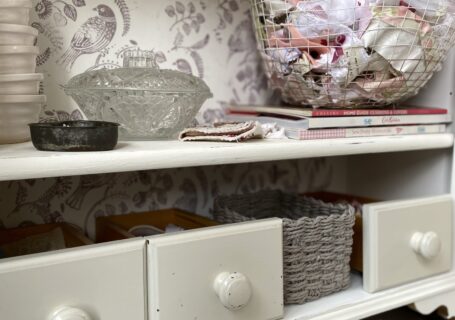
(309, 112)
(337, 133)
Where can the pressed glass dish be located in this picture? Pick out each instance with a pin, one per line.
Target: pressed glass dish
(17, 35)
(15, 11)
(149, 103)
(18, 59)
(20, 84)
(16, 112)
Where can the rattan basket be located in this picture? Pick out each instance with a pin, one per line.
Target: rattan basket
(352, 53)
(317, 239)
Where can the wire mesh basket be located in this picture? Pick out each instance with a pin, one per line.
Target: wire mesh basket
(352, 53)
(317, 239)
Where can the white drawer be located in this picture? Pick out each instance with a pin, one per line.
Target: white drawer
(406, 241)
(107, 282)
(229, 272)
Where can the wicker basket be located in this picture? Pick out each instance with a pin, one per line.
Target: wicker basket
(352, 53)
(317, 239)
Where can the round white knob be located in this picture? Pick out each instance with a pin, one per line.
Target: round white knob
(428, 245)
(233, 289)
(69, 313)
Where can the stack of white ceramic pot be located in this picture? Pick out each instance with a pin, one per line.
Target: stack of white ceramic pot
(20, 102)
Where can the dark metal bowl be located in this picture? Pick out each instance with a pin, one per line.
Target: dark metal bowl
(74, 135)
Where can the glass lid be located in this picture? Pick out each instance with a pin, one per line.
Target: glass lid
(140, 72)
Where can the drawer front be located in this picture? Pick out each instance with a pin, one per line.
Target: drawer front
(406, 241)
(227, 272)
(93, 283)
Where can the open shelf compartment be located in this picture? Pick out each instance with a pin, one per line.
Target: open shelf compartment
(355, 303)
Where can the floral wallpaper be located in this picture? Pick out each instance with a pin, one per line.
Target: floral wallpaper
(79, 200)
(211, 39)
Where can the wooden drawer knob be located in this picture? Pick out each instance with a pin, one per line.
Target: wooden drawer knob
(233, 290)
(69, 313)
(428, 244)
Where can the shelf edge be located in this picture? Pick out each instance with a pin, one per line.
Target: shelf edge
(146, 156)
(387, 300)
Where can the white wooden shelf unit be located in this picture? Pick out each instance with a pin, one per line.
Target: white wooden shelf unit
(23, 162)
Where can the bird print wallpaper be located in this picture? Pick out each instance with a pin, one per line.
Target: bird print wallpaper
(212, 39)
(79, 200)
(80, 35)
(93, 36)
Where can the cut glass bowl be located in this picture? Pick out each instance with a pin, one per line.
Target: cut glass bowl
(149, 103)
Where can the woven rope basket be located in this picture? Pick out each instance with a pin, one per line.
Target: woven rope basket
(352, 53)
(317, 239)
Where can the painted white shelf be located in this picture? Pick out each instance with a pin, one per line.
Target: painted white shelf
(355, 303)
(22, 161)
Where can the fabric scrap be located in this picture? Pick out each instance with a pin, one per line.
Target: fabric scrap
(223, 132)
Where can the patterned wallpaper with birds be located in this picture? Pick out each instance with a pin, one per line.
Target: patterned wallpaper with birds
(212, 39)
(79, 200)
(80, 35)
(93, 36)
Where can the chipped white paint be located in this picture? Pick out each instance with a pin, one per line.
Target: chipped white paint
(107, 281)
(182, 269)
(233, 289)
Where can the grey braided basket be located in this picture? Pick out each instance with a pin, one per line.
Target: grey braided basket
(317, 239)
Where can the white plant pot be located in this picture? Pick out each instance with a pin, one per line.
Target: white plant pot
(15, 11)
(17, 35)
(18, 59)
(16, 112)
(20, 84)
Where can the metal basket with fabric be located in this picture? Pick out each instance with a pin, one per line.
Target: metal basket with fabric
(352, 53)
(317, 239)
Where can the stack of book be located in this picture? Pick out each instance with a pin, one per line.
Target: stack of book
(312, 124)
